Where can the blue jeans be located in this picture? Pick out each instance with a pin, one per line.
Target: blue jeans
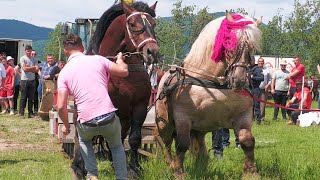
(256, 104)
(112, 134)
(220, 140)
(39, 88)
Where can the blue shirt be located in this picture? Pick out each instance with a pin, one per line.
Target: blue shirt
(45, 69)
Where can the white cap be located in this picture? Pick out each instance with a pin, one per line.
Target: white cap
(9, 58)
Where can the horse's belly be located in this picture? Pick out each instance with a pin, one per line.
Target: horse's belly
(209, 109)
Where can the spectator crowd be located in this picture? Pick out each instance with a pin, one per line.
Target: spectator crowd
(25, 80)
(290, 91)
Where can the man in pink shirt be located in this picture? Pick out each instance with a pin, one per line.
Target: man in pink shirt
(86, 78)
(296, 73)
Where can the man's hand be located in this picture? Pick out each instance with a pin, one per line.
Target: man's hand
(46, 77)
(289, 76)
(120, 58)
(65, 130)
(272, 91)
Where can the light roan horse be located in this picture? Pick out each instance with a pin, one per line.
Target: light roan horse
(127, 29)
(200, 96)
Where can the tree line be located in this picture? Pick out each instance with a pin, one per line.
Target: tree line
(295, 35)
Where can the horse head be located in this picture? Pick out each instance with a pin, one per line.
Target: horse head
(140, 35)
(240, 58)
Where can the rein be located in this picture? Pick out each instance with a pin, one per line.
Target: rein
(126, 54)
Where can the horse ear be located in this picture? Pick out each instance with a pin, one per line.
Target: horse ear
(259, 21)
(126, 8)
(153, 7)
(229, 17)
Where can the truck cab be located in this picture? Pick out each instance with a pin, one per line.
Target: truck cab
(83, 27)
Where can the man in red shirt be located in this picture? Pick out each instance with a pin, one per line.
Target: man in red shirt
(6, 93)
(296, 73)
(301, 96)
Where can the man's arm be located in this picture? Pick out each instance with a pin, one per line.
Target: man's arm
(13, 79)
(2, 83)
(17, 69)
(292, 100)
(26, 68)
(120, 68)
(294, 73)
(273, 85)
(63, 111)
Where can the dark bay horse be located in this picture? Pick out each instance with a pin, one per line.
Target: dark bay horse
(200, 95)
(128, 29)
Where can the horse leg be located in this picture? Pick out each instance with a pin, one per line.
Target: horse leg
(247, 143)
(198, 146)
(138, 117)
(182, 145)
(166, 131)
(77, 166)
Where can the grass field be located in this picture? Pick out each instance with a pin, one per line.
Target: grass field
(27, 151)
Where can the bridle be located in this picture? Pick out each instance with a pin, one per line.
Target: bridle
(229, 72)
(133, 33)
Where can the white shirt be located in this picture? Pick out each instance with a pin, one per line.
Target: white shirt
(2, 72)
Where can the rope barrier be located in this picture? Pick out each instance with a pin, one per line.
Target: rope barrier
(273, 104)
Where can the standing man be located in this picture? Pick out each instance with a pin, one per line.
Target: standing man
(36, 99)
(45, 69)
(256, 79)
(296, 73)
(54, 73)
(2, 75)
(6, 93)
(86, 78)
(29, 66)
(280, 89)
(17, 70)
(264, 86)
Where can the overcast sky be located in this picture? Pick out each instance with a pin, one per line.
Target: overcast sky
(48, 13)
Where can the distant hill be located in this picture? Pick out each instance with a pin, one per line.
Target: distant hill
(22, 30)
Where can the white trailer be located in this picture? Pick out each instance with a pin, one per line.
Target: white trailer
(14, 47)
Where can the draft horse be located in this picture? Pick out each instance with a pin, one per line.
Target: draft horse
(127, 29)
(200, 95)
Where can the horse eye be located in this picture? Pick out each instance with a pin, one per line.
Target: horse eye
(132, 25)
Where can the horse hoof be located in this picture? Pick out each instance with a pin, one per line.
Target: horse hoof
(132, 174)
(76, 175)
(135, 171)
(251, 176)
(179, 175)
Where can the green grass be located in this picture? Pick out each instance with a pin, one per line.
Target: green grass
(282, 152)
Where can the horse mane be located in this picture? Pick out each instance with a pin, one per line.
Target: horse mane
(202, 48)
(106, 19)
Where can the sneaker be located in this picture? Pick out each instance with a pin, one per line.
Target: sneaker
(22, 117)
(11, 112)
(274, 118)
(93, 178)
(290, 122)
(30, 116)
(4, 111)
(284, 118)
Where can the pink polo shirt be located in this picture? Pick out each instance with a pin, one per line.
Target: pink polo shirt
(86, 78)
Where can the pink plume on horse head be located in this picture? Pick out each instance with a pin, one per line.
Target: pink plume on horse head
(226, 38)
